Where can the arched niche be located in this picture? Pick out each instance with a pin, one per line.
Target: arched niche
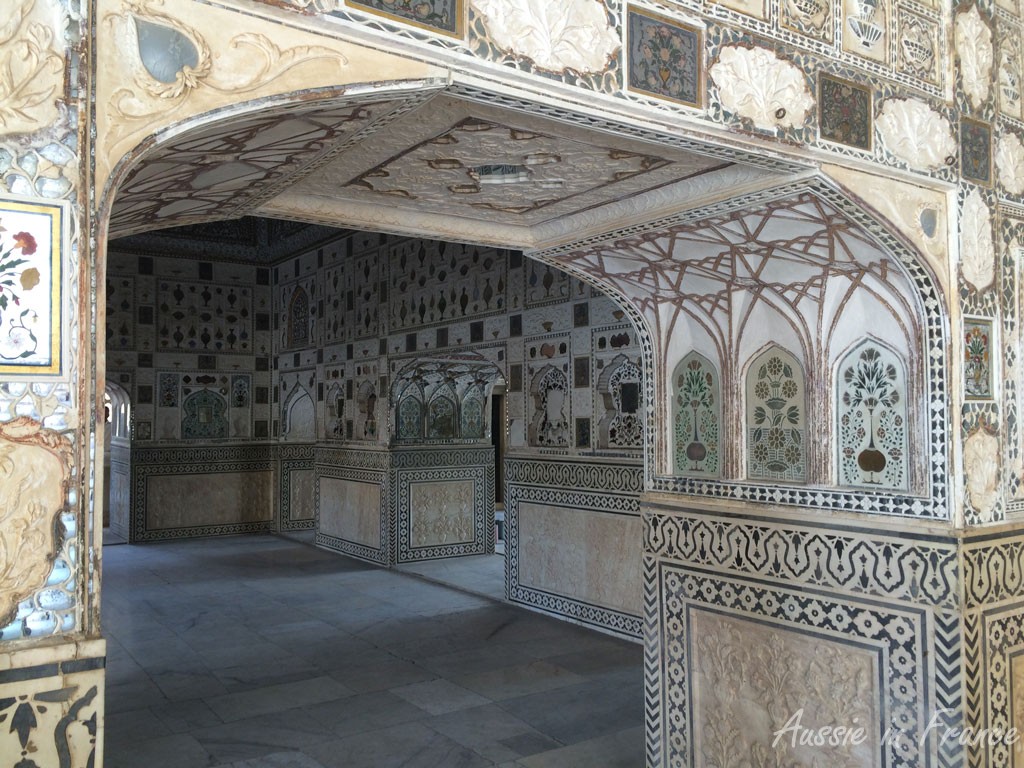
(297, 333)
(620, 388)
(872, 427)
(298, 415)
(697, 417)
(443, 414)
(366, 411)
(334, 404)
(800, 267)
(444, 398)
(549, 424)
(775, 392)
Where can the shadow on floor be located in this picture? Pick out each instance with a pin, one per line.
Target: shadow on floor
(264, 652)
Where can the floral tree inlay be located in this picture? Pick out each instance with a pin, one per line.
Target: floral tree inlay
(697, 403)
(872, 419)
(977, 359)
(775, 418)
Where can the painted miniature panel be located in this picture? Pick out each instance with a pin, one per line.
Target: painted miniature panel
(441, 418)
(978, 346)
(976, 151)
(32, 237)
(697, 417)
(776, 417)
(664, 58)
(844, 112)
(444, 16)
(871, 390)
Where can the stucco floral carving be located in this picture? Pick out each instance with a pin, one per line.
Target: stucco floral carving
(977, 251)
(1010, 163)
(755, 84)
(173, 60)
(974, 47)
(35, 468)
(981, 463)
(31, 67)
(916, 134)
(567, 35)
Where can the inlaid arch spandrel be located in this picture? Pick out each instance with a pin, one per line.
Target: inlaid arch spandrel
(35, 469)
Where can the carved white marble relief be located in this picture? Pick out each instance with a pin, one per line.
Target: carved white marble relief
(1010, 74)
(977, 251)
(35, 468)
(568, 35)
(1010, 163)
(872, 430)
(755, 84)
(916, 134)
(974, 48)
(981, 463)
(809, 17)
(32, 75)
(917, 46)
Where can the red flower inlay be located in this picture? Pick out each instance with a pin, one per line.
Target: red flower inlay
(25, 242)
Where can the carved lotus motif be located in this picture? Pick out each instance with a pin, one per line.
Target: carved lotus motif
(1010, 163)
(981, 463)
(916, 134)
(35, 467)
(757, 85)
(567, 35)
(974, 46)
(977, 252)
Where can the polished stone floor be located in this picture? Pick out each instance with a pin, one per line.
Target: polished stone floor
(264, 652)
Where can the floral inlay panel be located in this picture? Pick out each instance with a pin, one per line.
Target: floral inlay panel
(472, 416)
(31, 248)
(410, 417)
(871, 392)
(697, 417)
(664, 58)
(776, 444)
(978, 359)
(205, 416)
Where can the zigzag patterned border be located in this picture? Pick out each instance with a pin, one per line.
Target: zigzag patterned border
(846, 559)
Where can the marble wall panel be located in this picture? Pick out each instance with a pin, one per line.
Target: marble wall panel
(189, 501)
(303, 495)
(589, 556)
(441, 512)
(350, 510)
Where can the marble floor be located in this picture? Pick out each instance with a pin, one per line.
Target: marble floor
(265, 652)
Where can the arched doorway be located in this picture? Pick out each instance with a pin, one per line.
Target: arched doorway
(117, 440)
